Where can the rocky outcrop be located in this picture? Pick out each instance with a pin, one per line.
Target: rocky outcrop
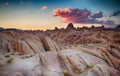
(85, 35)
(110, 59)
(36, 53)
(49, 44)
(70, 26)
(12, 41)
(62, 63)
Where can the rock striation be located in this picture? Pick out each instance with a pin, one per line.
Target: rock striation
(63, 63)
(60, 52)
(11, 41)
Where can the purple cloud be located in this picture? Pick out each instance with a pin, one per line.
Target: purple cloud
(116, 13)
(81, 16)
(72, 15)
(98, 14)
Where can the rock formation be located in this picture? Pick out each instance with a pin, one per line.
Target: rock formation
(49, 45)
(63, 52)
(70, 26)
(11, 41)
(62, 63)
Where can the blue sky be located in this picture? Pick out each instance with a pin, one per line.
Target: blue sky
(29, 14)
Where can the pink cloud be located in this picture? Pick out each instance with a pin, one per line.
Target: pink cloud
(81, 16)
(71, 15)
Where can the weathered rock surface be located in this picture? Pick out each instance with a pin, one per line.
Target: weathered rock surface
(34, 53)
(85, 35)
(49, 44)
(11, 41)
(62, 63)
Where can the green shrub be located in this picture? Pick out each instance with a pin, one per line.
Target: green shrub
(90, 66)
(20, 54)
(7, 55)
(9, 60)
(12, 53)
(31, 55)
(104, 59)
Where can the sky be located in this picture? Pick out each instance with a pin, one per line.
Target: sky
(46, 14)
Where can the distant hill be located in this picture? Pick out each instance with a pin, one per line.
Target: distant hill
(14, 29)
(1, 29)
(118, 27)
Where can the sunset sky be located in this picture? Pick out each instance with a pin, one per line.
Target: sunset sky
(46, 14)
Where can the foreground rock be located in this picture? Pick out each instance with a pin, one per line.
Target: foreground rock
(62, 63)
(49, 44)
(34, 53)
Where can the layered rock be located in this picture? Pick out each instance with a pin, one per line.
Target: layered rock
(49, 44)
(88, 35)
(62, 63)
(11, 41)
(36, 53)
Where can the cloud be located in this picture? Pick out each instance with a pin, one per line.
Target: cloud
(44, 7)
(81, 16)
(116, 13)
(98, 14)
(72, 15)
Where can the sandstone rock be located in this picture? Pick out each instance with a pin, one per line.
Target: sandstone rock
(39, 55)
(25, 43)
(62, 63)
(49, 44)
